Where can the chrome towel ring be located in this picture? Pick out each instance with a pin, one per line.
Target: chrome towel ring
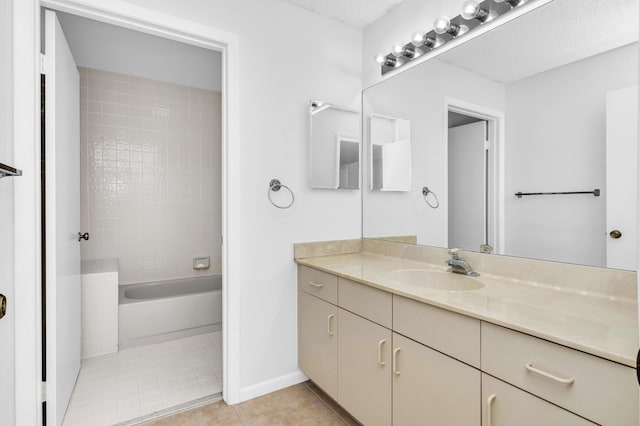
(275, 186)
(425, 192)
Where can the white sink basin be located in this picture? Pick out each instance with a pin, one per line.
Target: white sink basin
(436, 280)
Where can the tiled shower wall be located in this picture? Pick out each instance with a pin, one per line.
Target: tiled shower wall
(150, 175)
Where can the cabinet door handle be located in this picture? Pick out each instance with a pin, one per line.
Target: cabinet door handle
(329, 318)
(489, 409)
(380, 345)
(316, 285)
(395, 361)
(568, 381)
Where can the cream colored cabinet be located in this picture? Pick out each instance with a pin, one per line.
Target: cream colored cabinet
(599, 390)
(391, 360)
(318, 341)
(430, 388)
(364, 362)
(507, 405)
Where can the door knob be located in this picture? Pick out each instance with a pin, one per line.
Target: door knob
(82, 236)
(615, 234)
(3, 306)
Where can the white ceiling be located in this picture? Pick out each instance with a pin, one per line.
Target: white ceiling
(111, 48)
(355, 13)
(561, 32)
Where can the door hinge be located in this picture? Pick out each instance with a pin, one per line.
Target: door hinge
(43, 391)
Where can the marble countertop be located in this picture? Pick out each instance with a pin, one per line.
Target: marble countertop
(605, 326)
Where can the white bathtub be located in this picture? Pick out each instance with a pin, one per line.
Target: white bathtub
(166, 310)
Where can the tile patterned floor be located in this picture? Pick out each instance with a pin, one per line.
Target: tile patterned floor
(138, 381)
(302, 404)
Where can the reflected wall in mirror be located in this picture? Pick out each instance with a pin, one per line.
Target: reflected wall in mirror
(389, 153)
(518, 109)
(334, 146)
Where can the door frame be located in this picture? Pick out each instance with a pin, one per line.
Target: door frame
(495, 123)
(27, 244)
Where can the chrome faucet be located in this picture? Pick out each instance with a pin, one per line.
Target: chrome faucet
(458, 264)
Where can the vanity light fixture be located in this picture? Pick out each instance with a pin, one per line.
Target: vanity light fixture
(443, 25)
(387, 61)
(471, 9)
(407, 51)
(475, 13)
(512, 3)
(421, 39)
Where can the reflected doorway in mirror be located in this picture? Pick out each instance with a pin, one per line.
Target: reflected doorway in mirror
(473, 176)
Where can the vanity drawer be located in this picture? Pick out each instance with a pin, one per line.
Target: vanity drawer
(318, 283)
(368, 302)
(453, 334)
(597, 389)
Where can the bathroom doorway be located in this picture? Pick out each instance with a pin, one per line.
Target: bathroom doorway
(474, 136)
(149, 156)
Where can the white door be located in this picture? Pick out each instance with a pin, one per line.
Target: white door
(622, 162)
(7, 342)
(62, 219)
(467, 153)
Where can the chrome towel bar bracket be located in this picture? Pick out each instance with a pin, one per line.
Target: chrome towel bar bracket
(8, 171)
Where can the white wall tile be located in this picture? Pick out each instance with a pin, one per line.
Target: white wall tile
(151, 175)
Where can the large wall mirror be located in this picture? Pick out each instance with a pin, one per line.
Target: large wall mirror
(526, 136)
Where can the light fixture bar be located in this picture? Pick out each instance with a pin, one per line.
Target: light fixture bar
(474, 14)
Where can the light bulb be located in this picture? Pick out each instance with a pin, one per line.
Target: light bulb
(384, 60)
(420, 39)
(470, 9)
(400, 50)
(442, 25)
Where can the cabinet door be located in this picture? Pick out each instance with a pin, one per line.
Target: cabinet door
(432, 388)
(508, 405)
(364, 360)
(318, 342)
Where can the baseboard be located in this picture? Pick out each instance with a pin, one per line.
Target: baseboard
(272, 385)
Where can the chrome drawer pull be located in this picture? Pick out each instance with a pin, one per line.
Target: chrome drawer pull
(315, 284)
(489, 409)
(568, 381)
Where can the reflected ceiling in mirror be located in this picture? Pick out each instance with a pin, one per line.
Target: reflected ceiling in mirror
(546, 103)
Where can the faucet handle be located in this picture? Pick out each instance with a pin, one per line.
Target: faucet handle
(455, 252)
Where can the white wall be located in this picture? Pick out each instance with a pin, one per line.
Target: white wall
(150, 175)
(559, 145)
(7, 372)
(419, 95)
(116, 49)
(287, 57)
(397, 26)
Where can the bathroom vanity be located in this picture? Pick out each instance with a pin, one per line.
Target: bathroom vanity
(395, 339)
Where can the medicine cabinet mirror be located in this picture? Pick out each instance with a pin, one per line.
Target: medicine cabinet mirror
(526, 135)
(334, 146)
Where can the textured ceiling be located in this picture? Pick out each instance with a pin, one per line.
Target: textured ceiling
(556, 34)
(355, 13)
